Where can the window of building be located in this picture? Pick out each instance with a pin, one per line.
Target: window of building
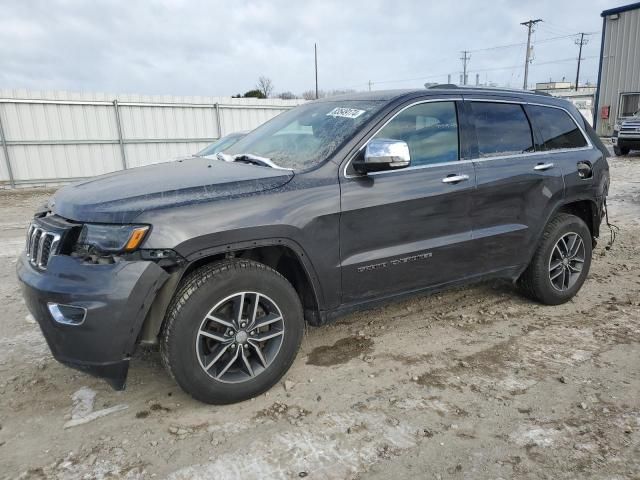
(502, 129)
(429, 129)
(629, 104)
(557, 128)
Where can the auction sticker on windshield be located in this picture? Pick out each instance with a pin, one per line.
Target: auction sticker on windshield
(345, 112)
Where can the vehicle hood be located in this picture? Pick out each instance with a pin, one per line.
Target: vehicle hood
(122, 196)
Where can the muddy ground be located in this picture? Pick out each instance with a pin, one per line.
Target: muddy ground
(474, 383)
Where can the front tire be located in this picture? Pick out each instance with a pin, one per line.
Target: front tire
(561, 262)
(620, 151)
(232, 331)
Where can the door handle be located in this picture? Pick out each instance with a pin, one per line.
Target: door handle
(455, 178)
(543, 166)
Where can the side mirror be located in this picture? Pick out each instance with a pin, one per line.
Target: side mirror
(383, 154)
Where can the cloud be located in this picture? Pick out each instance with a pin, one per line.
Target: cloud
(220, 48)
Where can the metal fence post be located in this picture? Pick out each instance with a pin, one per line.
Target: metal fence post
(6, 154)
(217, 105)
(120, 140)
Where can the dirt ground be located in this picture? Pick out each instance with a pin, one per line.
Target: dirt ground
(474, 383)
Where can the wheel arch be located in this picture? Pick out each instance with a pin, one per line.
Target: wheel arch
(584, 208)
(283, 255)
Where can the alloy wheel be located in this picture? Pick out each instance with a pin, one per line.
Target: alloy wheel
(240, 337)
(567, 259)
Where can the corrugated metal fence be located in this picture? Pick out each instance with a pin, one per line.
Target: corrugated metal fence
(56, 137)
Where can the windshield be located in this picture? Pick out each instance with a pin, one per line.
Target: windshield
(305, 136)
(220, 145)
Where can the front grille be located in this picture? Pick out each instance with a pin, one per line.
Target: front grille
(630, 127)
(41, 244)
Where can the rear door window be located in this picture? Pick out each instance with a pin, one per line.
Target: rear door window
(557, 128)
(502, 129)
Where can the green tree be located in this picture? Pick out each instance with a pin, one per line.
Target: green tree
(254, 94)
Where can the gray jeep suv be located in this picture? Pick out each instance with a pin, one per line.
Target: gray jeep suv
(333, 206)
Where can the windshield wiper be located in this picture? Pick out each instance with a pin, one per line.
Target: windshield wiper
(249, 158)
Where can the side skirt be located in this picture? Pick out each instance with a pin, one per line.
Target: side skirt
(510, 273)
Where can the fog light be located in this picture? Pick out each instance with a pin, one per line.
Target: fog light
(67, 314)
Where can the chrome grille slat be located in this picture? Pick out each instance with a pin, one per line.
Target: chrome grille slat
(29, 233)
(54, 245)
(41, 245)
(34, 242)
(43, 238)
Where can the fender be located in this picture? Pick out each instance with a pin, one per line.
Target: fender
(153, 321)
(595, 214)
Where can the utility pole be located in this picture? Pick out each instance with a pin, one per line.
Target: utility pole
(529, 24)
(315, 52)
(370, 83)
(465, 59)
(580, 43)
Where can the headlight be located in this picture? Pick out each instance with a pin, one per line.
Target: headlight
(112, 238)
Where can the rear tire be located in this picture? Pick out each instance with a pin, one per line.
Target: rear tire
(620, 151)
(237, 314)
(561, 262)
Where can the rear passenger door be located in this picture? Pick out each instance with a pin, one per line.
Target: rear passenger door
(515, 186)
(566, 146)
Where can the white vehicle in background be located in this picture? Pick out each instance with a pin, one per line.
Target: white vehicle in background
(220, 145)
(626, 135)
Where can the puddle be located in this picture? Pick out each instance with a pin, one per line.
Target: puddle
(342, 351)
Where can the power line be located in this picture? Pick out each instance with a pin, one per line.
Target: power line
(521, 44)
(553, 30)
(550, 62)
(529, 24)
(492, 69)
(370, 83)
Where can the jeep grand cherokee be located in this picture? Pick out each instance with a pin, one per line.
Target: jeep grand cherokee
(335, 205)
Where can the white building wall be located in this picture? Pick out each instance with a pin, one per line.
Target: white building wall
(620, 64)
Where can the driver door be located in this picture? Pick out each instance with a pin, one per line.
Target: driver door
(407, 229)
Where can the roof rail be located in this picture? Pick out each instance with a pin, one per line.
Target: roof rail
(442, 85)
(490, 89)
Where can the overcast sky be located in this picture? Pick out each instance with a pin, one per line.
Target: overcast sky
(220, 47)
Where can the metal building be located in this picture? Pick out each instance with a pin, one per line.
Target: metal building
(618, 92)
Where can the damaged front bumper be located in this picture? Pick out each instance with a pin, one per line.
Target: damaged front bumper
(90, 314)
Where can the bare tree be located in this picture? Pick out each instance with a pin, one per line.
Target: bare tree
(311, 94)
(265, 85)
(333, 93)
(286, 95)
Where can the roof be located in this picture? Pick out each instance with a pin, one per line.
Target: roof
(624, 8)
(387, 95)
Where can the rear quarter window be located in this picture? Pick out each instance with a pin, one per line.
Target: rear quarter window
(557, 128)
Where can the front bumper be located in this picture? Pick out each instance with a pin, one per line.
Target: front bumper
(116, 297)
(632, 143)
